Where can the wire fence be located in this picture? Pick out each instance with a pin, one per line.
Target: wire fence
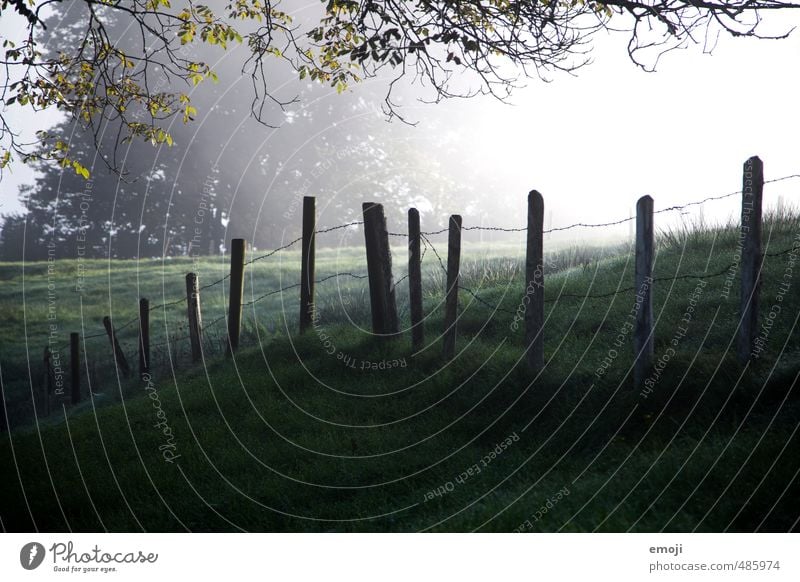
(427, 247)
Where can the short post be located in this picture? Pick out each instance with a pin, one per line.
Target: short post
(307, 264)
(119, 355)
(379, 270)
(643, 326)
(415, 280)
(144, 337)
(451, 292)
(534, 283)
(752, 190)
(47, 385)
(194, 315)
(236, 293)
(75, 366)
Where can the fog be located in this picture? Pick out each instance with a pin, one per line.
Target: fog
(592, 144)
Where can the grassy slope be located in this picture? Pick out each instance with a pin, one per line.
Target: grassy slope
(287, 437)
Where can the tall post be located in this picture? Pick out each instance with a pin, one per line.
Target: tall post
(451, 298)
(144, 337)
(752, 190)
(75, 366)
(194, 315)
(307, 264)
(379, 270)
(643, 327)
(119, 355)
(236, 293)
(534, 283)
(415, 280)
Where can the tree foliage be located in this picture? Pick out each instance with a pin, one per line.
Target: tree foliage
(451, 48)
(224, 176)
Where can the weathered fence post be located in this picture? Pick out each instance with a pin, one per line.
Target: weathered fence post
(643, 328)
(379, 270)
(144, 337)
(451, 299)
(236, 293)
(534, 283)
(47, 388)
(194, 315)
(415, 280)
(119, 355)
(307, 264)
(752, 190)
(75, 366)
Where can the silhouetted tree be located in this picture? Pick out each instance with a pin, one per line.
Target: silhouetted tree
(134, 78)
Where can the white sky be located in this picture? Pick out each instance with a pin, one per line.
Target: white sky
(593, 144)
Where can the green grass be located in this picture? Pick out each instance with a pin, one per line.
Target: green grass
(288, 437)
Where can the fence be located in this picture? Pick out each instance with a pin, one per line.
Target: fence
(385, 322)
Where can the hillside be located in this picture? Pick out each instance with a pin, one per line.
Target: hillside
(332, 431)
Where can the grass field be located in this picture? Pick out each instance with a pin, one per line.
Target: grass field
(333, 431)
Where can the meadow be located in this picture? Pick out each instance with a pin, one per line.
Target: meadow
(332, 431)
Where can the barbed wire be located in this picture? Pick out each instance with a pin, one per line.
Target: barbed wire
(400, 280)
(181, 300)
(213, 322)
(209, 285)
(274, 251)
(295, 285)
(168, 304)
(126, 324)
(613, 222)
(254, 301)
(783, 252)
(484, 302)
(427, 244)
(297, 240)
(435, 252)
(346, 225)
(725, 270)
(426, 241)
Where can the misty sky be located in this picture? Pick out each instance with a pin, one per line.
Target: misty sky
(594, 143)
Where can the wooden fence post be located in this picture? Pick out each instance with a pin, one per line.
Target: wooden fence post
(643, 328)
(75, 366)
(415, 280)
(451, 299)
(752, 190)
(119, 355)
(534, 283)
(195, 317)
(307, 264)
(144, 337)
(379, 269)
(236, 293)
